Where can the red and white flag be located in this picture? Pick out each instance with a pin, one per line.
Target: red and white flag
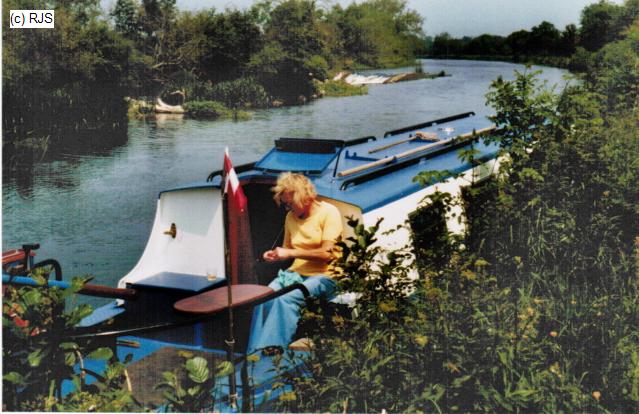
(238, 228)
(232, 184)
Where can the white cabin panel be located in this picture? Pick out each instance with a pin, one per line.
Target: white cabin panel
(198, 246)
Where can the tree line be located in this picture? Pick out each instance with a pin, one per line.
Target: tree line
(74, 77)
(600, 24)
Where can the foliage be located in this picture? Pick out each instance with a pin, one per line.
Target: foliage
(240, 93)
(535, 309)
(377, 32)
(77, 84)
(140, 49)
(207, 109)
(38, 357)
(189, 388)
(341, 88)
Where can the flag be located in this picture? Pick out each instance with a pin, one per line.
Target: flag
(232, 184)
(239, 240)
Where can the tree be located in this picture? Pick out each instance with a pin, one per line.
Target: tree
(598, 25)
(518, 42)
(126, 19)
(568, 40)
(544, 39)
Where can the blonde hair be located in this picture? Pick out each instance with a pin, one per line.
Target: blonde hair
(301, 187)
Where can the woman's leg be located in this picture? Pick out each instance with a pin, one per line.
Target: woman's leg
(276, 324)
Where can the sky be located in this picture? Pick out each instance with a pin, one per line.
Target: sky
(459, 17)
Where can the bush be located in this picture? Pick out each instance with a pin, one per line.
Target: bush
(207, 109)
(240, 93)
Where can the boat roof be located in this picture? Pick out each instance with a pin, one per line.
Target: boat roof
(369, 172)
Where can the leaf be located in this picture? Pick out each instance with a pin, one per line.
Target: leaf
(67, 346)
(39, 279)
(77, 382)
(69, 358)
(32, 297)
(101, 354)
(225, 368)
(523, 393)
(193, 391)
(15, 378)
(35, 358)
(198, 370)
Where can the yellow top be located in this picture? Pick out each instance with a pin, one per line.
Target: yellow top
(324, 224)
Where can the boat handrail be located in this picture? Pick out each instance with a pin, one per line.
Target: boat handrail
(413, 151)
(371, 175)
(88, 288)
(357, 141)
(238, 169)
(429, 123)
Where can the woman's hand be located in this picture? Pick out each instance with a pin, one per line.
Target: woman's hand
(279, 253)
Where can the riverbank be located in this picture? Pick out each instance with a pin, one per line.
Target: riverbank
(230, 99)
(561, 62)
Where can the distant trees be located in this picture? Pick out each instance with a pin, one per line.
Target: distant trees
(601, 23)
(75, 77)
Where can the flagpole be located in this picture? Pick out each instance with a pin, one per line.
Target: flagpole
(227, 261)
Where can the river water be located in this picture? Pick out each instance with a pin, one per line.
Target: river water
(92, 207)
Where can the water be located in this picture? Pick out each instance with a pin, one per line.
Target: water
(92, 207)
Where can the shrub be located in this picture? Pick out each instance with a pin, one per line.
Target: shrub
(240, 93)
(207, 109)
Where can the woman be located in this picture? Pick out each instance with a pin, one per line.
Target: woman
(310, 230)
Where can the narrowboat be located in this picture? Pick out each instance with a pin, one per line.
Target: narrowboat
(202, 256)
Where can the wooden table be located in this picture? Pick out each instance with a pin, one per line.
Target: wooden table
(216, 300)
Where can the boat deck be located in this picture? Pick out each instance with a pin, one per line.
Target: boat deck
(369, 178)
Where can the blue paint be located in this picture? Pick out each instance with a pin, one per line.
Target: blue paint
(101, 314)
(27, 281)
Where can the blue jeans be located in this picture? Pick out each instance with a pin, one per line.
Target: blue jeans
(275, 322)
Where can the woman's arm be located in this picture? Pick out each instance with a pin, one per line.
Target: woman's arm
(324, 253)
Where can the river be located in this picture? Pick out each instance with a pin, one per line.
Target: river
(92, 208)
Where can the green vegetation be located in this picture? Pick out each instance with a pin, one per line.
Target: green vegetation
(191, 393)
(36, 356)
(341, 88)
(272, 52)
(207, 109)
(534, 308)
